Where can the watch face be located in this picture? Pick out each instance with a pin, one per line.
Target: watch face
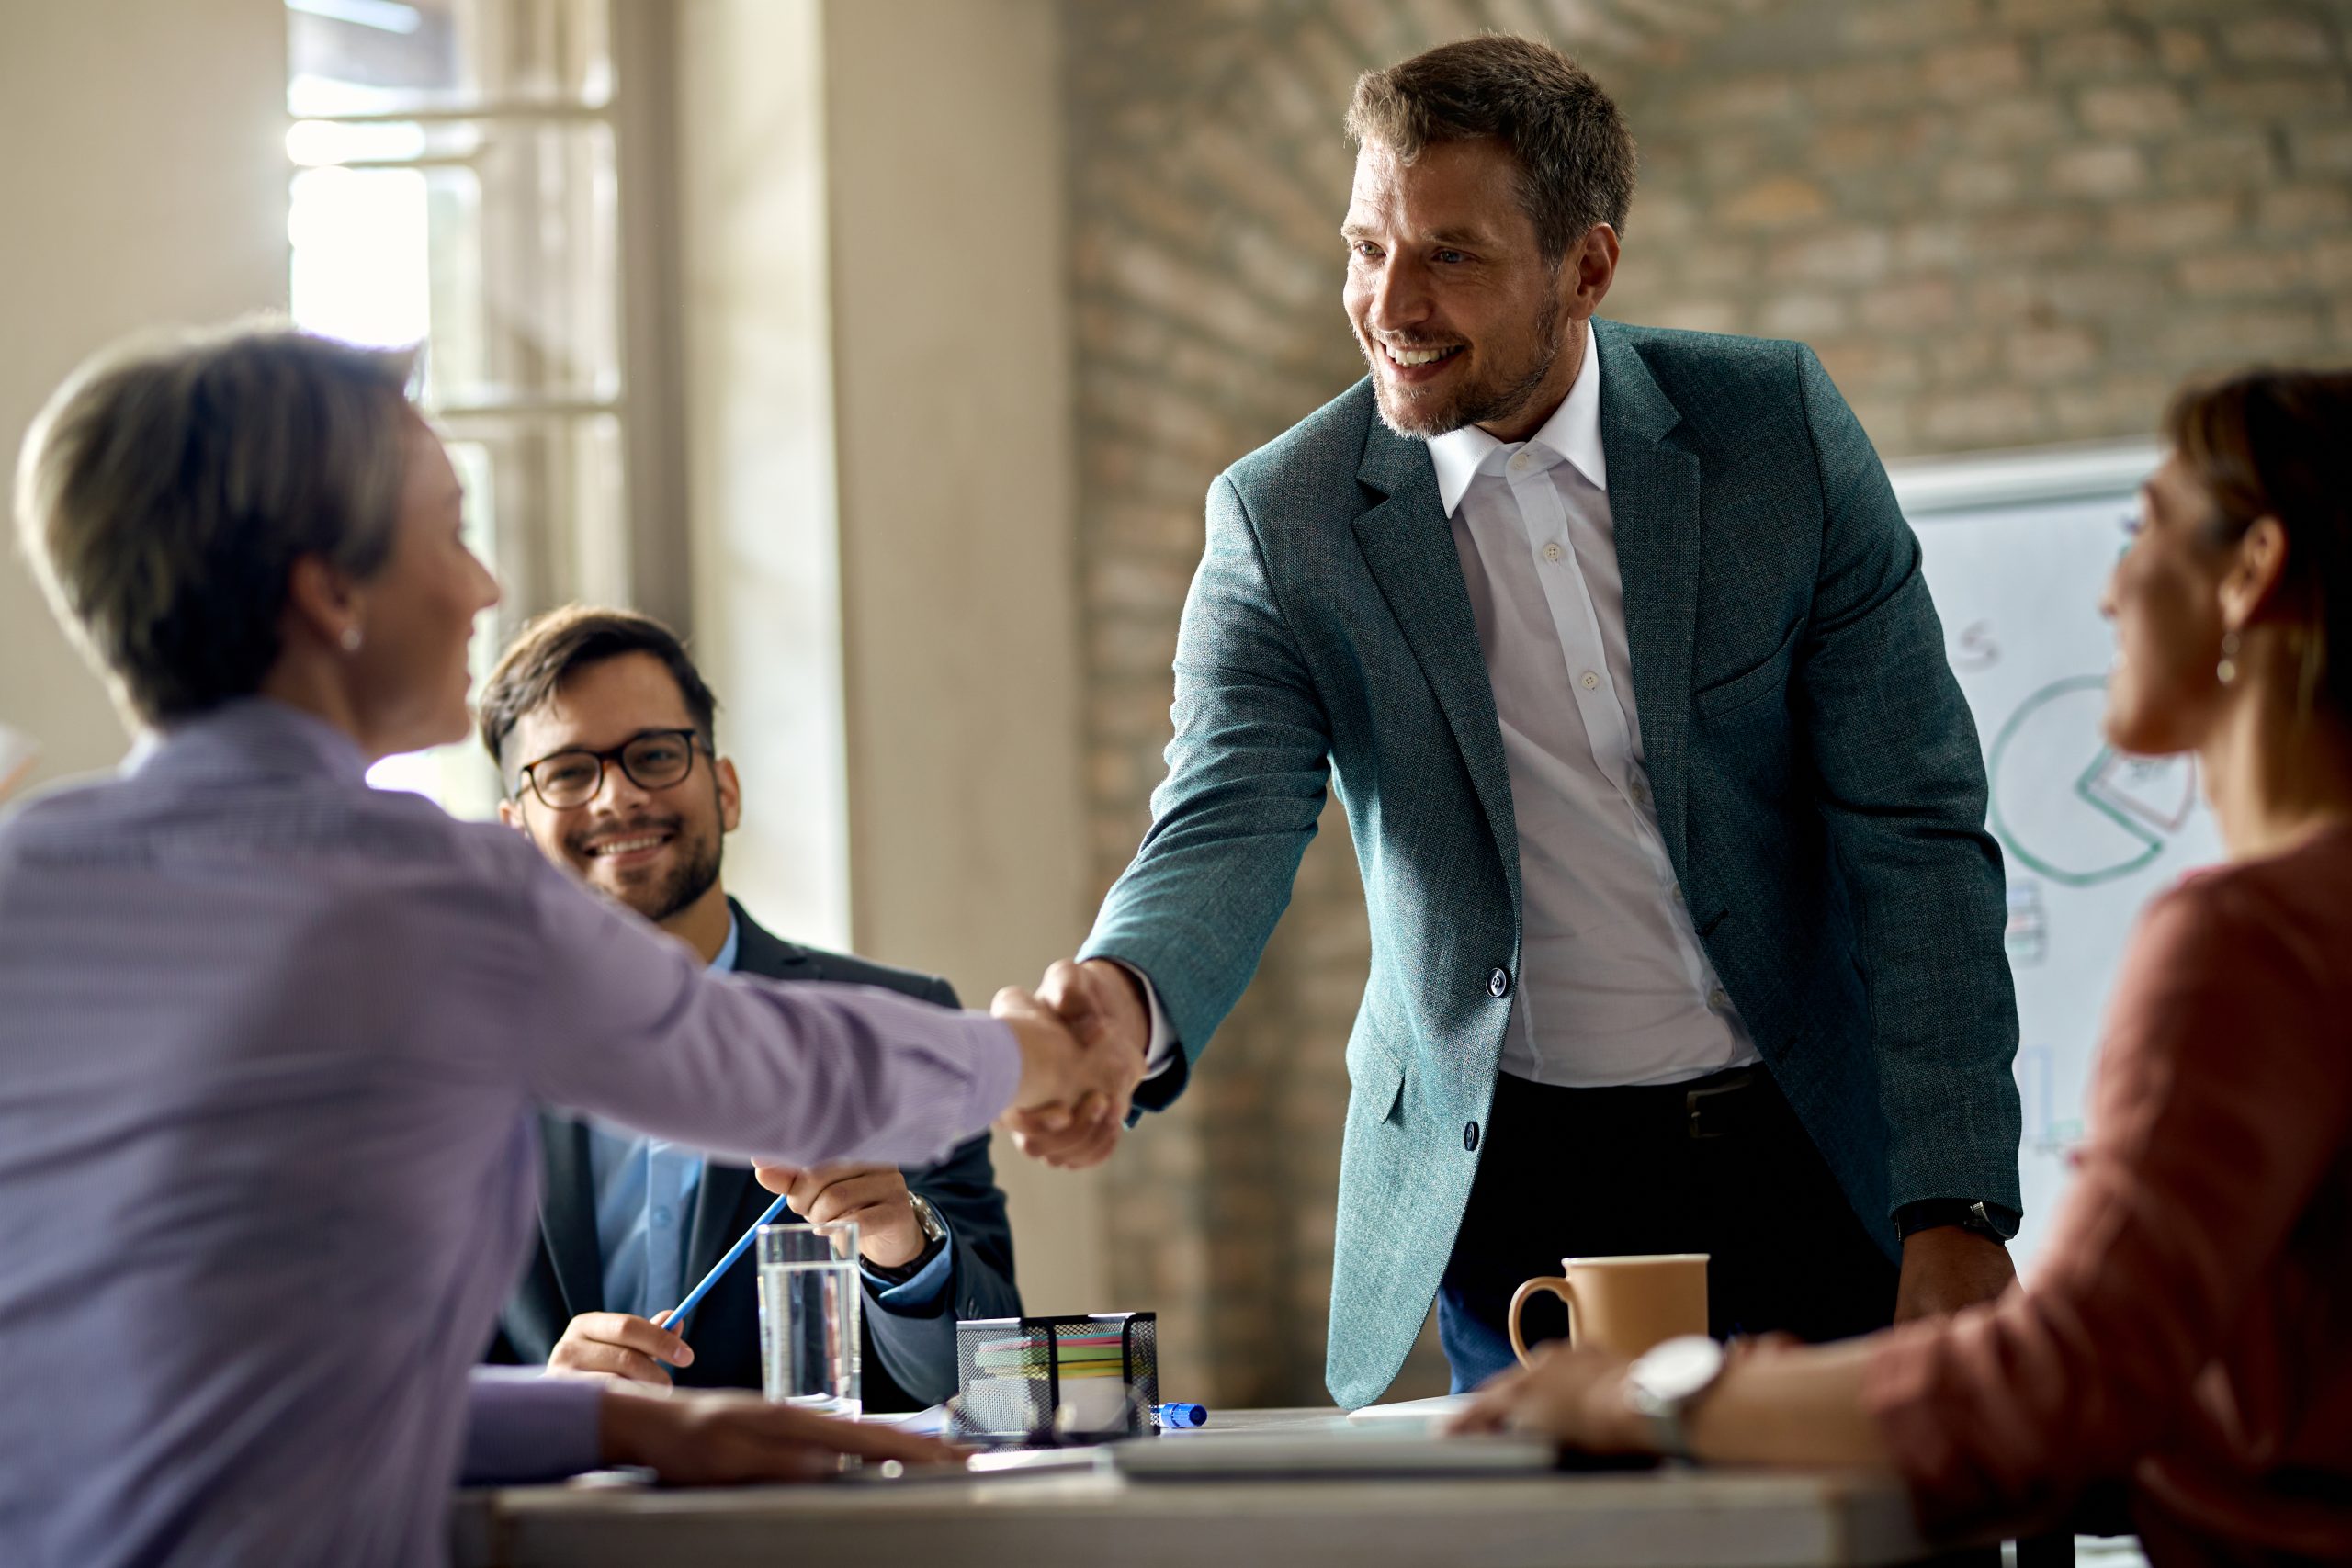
(1675, 1370)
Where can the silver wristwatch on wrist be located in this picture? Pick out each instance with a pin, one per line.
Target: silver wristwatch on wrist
(934, 1236)
(1663, 1385)
(934, 1229)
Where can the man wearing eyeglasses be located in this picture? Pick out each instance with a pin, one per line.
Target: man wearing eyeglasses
(603, 731)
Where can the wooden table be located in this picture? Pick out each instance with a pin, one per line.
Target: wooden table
(1673, 1517)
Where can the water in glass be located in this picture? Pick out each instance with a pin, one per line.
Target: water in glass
(808, 1325)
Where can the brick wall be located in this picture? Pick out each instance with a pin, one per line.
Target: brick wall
(2000, 222)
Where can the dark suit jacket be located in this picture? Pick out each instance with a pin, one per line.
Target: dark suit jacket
(910, 1359)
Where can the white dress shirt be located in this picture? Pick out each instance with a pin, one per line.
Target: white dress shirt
(1613, 986)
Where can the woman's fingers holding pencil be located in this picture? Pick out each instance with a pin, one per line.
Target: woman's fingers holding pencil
(621, 1344)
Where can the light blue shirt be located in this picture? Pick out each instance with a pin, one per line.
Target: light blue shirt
(644, 1191)
(644, 1199)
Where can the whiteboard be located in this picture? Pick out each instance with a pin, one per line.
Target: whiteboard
(2016, 548)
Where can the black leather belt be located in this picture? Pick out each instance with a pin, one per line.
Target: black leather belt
(1726, 1103)
(1733, 1103)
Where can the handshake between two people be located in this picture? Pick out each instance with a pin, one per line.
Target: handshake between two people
(1085, 1035)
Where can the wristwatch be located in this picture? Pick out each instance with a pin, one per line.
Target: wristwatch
(1664, 1383)
(934, 1236)
(1988, 1220)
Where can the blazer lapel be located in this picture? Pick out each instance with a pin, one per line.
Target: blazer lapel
(568, 1214)
(1654, 503)
(723, 1188)
(1408, 544)
(759, 951)
(717, 1225)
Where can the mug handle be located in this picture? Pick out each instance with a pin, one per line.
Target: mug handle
(1559, 1287)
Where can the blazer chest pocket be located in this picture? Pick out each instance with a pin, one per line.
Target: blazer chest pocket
(1752, 685)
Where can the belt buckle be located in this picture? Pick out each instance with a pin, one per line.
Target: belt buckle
(1695, 1103)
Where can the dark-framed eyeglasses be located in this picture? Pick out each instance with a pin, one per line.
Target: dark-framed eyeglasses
(655, 758)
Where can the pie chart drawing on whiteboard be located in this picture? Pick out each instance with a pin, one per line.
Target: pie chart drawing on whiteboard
(2069, 805)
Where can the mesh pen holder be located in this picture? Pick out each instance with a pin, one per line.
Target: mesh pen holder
(1051, 1381)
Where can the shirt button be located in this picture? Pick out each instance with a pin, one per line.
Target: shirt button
(1470, 1136)
(1519, 464)
(1640, 791)
(1551, 552)
(1589, 680)
(1719, 999)
(661, 1217)
(1498, 982)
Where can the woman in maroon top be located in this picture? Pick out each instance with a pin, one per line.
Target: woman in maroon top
(2188, 1332)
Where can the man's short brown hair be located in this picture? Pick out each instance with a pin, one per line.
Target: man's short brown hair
(557, 646)
(1576, 157)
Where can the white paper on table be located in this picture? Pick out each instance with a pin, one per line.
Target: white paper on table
(17, 750)
(1430, 1409)
(930, 1423)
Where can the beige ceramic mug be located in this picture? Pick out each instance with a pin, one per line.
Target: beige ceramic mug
(1624, 1304)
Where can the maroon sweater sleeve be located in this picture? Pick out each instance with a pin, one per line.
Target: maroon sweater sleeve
(2219, 1100)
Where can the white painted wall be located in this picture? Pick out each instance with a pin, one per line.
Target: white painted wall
(958, 531)
(762, 527)
(881, 466)
(144, 184)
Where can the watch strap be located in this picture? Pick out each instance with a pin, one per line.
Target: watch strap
(1992, 1221)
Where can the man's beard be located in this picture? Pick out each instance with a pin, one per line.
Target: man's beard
(1486, 403)
(694, 876)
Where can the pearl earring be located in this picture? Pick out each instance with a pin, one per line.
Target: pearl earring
(2227, 670)
(351, 637)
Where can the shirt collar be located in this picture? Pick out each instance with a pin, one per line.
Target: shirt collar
(1573, 432)
(251, 736)
(725, 962)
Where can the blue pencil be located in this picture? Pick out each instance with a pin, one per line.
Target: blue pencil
(677, 1324)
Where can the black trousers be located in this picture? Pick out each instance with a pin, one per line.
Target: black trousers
(1719, 1164)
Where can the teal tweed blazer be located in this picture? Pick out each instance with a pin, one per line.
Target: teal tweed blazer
(1814, 770)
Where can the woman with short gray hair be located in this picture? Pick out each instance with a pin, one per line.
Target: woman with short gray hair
(273, 1038)
(174, 587)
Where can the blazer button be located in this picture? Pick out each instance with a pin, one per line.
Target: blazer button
(1470, 1136)
(1498, 982)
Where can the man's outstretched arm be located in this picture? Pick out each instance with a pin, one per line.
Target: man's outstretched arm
(1248, 771)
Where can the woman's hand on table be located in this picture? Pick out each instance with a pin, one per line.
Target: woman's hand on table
(1576, 1396)
(721, 1439)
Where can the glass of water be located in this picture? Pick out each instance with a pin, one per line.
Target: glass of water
(808, 1304)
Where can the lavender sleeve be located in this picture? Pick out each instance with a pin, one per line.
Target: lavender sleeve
(523, 1426)
(633, 1028)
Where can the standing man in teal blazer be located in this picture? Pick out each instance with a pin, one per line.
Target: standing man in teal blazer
(1686, 930)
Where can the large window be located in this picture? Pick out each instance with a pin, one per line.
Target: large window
(456, 184)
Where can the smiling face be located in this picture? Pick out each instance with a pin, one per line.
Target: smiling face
(1461, 319)
(655, 850)
(2166, 599)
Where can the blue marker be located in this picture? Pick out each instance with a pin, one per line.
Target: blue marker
(677, 1324)
(1175, 1418)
